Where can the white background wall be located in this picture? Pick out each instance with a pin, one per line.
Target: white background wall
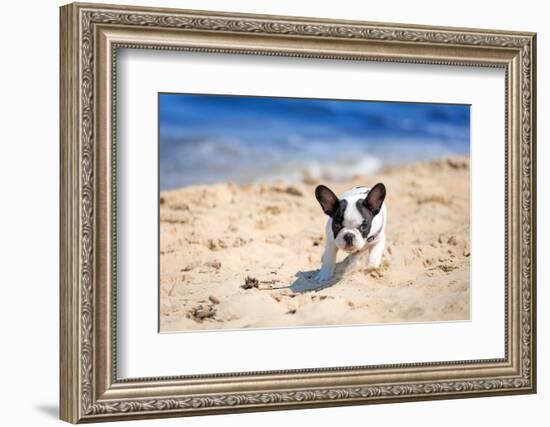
(29, 170)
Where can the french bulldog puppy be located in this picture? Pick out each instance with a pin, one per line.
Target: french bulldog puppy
(357, 223)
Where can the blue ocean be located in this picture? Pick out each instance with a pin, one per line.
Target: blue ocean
(206, 139)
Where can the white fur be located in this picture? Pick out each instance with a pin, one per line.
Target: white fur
(352, 219)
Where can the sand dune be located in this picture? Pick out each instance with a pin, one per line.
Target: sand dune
(243, 257)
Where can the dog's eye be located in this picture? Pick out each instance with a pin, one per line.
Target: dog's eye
(363, 227)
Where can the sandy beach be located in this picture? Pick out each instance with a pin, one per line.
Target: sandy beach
(236, 257)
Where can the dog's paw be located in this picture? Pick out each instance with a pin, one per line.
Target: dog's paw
(371, 267)
(374, 263)
(322, 276)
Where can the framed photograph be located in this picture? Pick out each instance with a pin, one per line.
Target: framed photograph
(266, 212)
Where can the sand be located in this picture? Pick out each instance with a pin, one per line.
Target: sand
(236, 257)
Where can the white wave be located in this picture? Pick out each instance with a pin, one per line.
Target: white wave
(294, 160)
(318, 170)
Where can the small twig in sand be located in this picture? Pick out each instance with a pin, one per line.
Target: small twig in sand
(251, 282)
(274, 288)
(269, 282)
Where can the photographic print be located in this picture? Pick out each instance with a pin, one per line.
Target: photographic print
(289, 212)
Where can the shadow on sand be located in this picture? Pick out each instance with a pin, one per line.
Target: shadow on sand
(305, 281)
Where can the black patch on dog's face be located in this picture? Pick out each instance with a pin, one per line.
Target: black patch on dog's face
(370, 206)
(332, 206)
(338, 217)
(365, 226)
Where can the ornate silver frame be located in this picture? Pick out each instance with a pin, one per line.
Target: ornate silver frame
(90, 36)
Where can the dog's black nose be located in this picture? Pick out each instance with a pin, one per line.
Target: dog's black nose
(348, 238)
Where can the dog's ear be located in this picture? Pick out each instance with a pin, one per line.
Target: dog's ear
(327, 199)
(375, 198)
